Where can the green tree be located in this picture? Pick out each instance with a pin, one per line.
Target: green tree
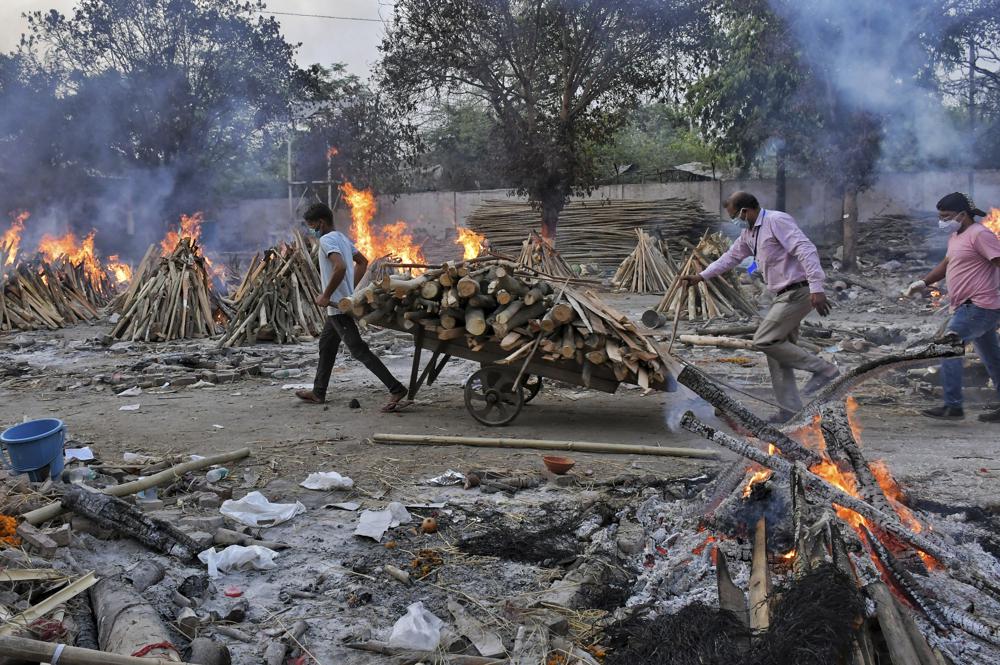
(464, 140)
(560, 76)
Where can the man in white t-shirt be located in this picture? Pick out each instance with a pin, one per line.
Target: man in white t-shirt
(341, 268)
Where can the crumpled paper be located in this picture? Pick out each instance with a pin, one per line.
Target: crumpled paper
(255, 510)
(374, 523)
(327, 480)
(238, 557)
(449, 477)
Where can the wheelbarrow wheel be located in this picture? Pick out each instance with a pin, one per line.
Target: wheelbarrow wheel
(491, 398)
(532, 384)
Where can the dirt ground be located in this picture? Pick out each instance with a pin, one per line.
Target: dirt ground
(946, 461)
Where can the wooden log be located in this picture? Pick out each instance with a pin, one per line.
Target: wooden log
(897, 639)
(760, 581)
(54, 509)
(475, 321)
(508, 312)
(541, 444)
(840, 444)
(535, 294)
(718, 342)
(206, 651)
(112, 513)
(431, 290)
(731, 597)
(483, 301)
(35, 651)
(563, 312)
(409, 656)
(126, 624)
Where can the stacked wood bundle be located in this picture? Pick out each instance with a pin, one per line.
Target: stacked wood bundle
(495, 302)
(596, 231)
(96, 285)
(885, 237)
(648, 269)
(171, 297)
(35, 294)
(711, 299)
(539, 255)
(275, 300)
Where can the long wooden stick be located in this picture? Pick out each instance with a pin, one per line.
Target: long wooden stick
(542, 444)
(45, 652)
(45, 513)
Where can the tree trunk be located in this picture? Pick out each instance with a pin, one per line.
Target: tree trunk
(781, 181)
(850, 229)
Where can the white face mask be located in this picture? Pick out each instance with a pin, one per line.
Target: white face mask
(737, 219)
(949, 225)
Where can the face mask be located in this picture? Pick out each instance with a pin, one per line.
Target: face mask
(737, 220)
(949, 225)
(318, 233)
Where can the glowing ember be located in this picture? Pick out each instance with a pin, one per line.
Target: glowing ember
(190, 227)
(332, 152)
(810, 436)
(74, 251)
(121, 271)
(788, 556)
(701, 548)
(471, 242)
(392, 240)
(992, 221)
(11, 239)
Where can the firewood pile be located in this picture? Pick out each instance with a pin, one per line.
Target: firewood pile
(274, 302)
(539, 255)
(171, 297)
(38, 294)
(596, 231)
(648, 269)
(888, 237)
(711, 299)
(498, 302)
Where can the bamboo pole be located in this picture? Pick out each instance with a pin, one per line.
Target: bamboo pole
(542, 444)
(52, 510)
(47, 652)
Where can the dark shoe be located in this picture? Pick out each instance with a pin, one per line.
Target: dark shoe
(781, 417)
(990, 417)
(945, 413)
(819, 380)
(309, 396)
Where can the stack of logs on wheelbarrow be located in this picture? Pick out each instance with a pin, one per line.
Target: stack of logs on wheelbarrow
(527, 313)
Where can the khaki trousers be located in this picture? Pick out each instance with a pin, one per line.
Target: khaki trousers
(776, 336)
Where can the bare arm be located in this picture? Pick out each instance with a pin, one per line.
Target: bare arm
(937, 272)
(360, 268)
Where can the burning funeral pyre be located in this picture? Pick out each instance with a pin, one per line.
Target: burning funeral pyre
(64, 282)
(275, 299)
(172, 294)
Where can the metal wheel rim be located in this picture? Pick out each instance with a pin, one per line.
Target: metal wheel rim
(490, 397)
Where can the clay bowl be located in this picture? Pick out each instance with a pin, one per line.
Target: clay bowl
(558, 465)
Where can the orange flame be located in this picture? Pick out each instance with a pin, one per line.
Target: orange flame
(332, 152)
(393, 239)
(992, 221)
(121, 271)
(10, 241)
(789, 555)
(852, 419)
(760, 475)
(74, 251)
(190, 227)
(701, 548)
(471, 242)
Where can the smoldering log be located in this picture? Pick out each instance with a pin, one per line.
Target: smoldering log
(112, 513)
(126, 624)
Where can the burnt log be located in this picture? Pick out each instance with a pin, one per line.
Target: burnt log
(112, 513)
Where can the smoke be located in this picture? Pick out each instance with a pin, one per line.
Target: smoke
(874, 56)
(683, 400)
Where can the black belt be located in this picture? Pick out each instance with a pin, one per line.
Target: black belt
(792, 287)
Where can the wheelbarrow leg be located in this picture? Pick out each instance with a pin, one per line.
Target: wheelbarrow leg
(418, 347)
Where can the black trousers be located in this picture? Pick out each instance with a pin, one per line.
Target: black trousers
(341, 327)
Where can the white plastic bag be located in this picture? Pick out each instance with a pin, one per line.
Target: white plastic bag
(238, 557)
(418, 629)
(327, 480)
(255, 510)
(374, 523)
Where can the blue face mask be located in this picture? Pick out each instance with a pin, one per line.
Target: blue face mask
(318, 233)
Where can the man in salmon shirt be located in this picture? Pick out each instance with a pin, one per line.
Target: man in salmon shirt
(789, 263)
(972, 268)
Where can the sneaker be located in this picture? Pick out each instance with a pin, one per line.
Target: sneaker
(819, 380)
(945, 413)
(989, 417)
(781, 417)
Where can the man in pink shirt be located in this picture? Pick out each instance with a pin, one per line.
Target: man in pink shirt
(972, 268)
(789, 263)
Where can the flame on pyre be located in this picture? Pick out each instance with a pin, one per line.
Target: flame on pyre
(391, 240)
(471, 242)
(76, 252)
(121, 271)
(992, 221)
(190, 227)
(10, 241)
(332, 152)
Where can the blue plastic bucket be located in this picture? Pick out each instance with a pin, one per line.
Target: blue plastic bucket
(33, 446)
